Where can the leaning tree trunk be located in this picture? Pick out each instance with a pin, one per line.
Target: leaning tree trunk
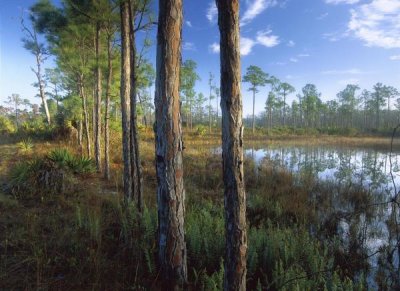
(125, 97)
(97, 119)
(169, 146)
(136, 168)
(232, 146)
(107, 112)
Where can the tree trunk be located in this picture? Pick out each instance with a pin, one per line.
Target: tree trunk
(41, 92)
(125, 97)
(107, 113)
(169, 147)
(232, 146)
(254, 104)
(97, 117)
(136, 168)
(284, 108)
(85, 115)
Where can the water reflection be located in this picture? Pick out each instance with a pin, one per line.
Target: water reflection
(369, 168)
(353, 201)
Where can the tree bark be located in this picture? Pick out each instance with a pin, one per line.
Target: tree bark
(254, 104)
(169, 147)
(136, 168)
(41, 89)
(232, 146)
(85, 114)
(97, 112)
(107, 112)
(125, 97)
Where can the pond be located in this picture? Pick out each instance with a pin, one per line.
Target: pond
(375, 170)
(371, 231)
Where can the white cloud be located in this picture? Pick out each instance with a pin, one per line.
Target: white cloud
(255, 8)
(212, 11)
(214, 48)
(344, 72)
(267, 39)
(188, 23)
(341, 1)
(189, 46)
(322, 16)
(377, 23)
(246, 45)
(334, 36)
(263, 37)
(352, 81)
(293, 60)
(395, 58)
(291, 43)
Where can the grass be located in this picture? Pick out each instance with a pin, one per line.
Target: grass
(84, 238)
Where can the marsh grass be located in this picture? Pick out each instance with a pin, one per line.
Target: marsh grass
(86, 238)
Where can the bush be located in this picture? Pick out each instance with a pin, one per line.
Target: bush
(65, 160)
(6, 126)
(200, 130)
(25, 146)
(49, 174)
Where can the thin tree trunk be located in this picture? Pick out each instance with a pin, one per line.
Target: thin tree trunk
(284, 108)
(107, 113)
(125, 97)
(232, 146)
(169, 147)
(137, 179)
(41, 92)
(97, 119)
(254, 104)
(80, 132)
(85, 115)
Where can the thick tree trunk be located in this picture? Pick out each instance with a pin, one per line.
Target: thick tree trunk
(136, 168)
(125, 97)
(232, 146)
(97, 117)
(107, 113)
(169, 147)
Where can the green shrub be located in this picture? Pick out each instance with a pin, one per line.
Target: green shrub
(25, 146)
(78, 165)
(200, 130)
(6, 126)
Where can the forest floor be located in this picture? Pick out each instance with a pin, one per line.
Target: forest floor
(82, 240)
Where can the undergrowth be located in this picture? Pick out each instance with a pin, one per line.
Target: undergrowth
(84, 240)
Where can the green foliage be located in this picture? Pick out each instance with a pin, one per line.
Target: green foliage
(78, 165)
(25, 146)
(201, 130)
(6, 126)
(256, 77)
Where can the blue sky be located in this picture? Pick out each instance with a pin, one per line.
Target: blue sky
(326, 42)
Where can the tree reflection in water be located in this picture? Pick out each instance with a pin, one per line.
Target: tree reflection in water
(353, 195)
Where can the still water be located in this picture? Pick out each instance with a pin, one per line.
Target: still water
(377, 172)
(374, 170)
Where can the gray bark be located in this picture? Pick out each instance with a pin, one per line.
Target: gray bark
(169, 147)
(107, 112)
(85, 115)
(232, 146)
(136, 168)
(125, 97)
(97, 112)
